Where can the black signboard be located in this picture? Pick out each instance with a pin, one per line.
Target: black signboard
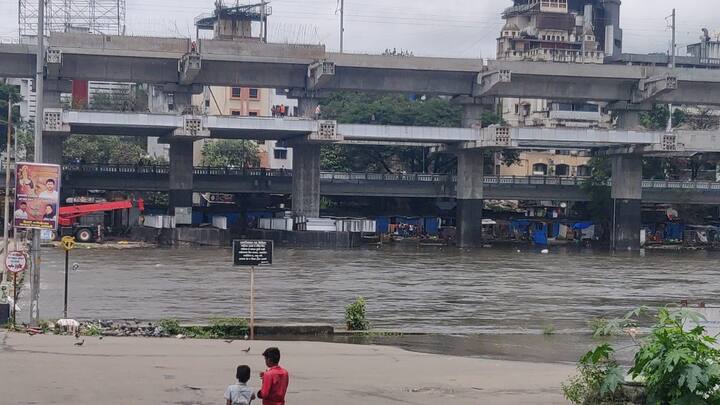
(252, 252)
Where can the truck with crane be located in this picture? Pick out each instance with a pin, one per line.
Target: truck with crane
(70, 224)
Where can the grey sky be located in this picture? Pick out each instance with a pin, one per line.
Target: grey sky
(451, 28)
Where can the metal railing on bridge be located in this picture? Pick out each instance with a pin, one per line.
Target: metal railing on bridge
(139, 169)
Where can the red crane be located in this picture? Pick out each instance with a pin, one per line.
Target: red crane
(69, 214)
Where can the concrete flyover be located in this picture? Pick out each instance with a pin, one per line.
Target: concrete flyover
(173, 126)
(245, 181)
(310, 69)
(263, 128)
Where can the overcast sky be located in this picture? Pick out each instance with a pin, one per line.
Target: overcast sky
(450, 28)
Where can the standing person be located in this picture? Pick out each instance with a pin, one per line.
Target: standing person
(239, 393)
(273, 111)
(318, 112)
(275, 380)
(282, 110)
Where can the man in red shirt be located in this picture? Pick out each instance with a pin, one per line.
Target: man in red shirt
(275, 380)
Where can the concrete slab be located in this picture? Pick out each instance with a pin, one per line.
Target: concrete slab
(51, 369)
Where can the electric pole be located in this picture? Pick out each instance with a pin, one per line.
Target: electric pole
(342, 25)
(39, 120)
(672, 66)
(6, 217)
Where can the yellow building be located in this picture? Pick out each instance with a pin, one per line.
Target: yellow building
(242, 102)
(560, 163)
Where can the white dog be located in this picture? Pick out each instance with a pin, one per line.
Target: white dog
(69, 325)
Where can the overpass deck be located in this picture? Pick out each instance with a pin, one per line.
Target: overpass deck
(262, 128)
(311, 68)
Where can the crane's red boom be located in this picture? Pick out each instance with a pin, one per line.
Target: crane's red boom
(69, 213)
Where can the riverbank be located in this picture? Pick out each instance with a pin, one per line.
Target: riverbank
(182, 371)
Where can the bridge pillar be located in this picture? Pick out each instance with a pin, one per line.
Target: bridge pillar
(626, 201)
(470, 198)
(626, 192)
(53, 139)
(306, 180)
(181, 175)
(472, 115)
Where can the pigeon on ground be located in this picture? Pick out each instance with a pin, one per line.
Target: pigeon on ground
(80, 343)
(247, 350)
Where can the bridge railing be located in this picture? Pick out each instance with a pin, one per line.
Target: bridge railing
(92, 168)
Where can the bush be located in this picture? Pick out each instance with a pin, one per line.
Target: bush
(679, 365)
(228, 327)
(170, 326)
(355, 315)
(598, 379)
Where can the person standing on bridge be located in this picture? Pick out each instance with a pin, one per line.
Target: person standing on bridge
(318, 112)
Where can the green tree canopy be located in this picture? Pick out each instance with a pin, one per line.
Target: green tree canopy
(103, 149)
(394, 109)
(226, 153)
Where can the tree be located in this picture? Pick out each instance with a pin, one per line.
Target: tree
(103, 149)
(231, 153)
(363, 108)
(657, 118)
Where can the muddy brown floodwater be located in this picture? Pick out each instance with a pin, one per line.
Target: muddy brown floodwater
(464, 294)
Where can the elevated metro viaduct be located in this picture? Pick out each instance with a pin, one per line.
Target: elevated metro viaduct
(178, 68)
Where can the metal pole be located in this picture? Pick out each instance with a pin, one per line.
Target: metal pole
(67, 259)
(6, 216)
(342, 25)
(672, 66)
(39, 120)
(15, 298)
(252, 303)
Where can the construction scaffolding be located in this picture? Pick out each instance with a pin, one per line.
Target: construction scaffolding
(91, 16)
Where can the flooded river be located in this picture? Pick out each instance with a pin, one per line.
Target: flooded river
(441, 291)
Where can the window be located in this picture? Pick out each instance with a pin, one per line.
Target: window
(583, 171)
(281, 154)
(235, 113)
(236, 92)
(562, 170)
(254, 93)
(207, 103)
(253, 113)
(539, 169)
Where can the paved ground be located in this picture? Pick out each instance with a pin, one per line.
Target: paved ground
(51, 370)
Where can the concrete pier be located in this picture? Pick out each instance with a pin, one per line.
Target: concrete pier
(626, 201)
(53, 140)
(306, 180)
(306, 169)
(181, 175)
(470, 198)
(626, 193)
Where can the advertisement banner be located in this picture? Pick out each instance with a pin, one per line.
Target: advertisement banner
(37, 196)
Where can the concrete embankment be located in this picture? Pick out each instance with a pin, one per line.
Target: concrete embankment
(153, 371)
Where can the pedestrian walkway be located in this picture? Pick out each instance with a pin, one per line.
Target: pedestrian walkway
(171, 371)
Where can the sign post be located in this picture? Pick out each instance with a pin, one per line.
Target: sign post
(15, 262)
(252, 253)
(68, 244)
